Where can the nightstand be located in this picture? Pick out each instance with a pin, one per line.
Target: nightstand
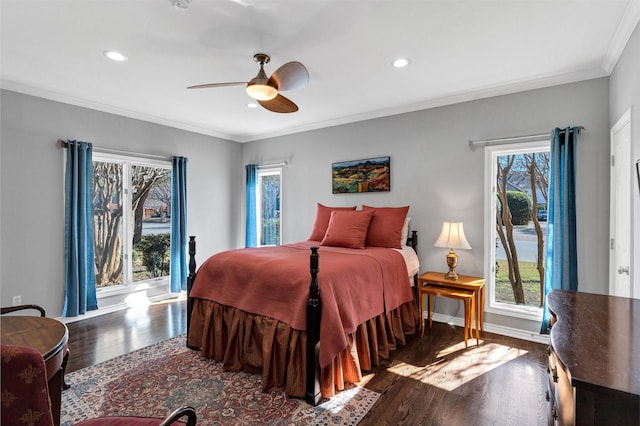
(465, 287)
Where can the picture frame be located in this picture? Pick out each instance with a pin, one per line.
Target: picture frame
(366, 175)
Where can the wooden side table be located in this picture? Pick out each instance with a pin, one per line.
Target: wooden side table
(454, 293)
(48, 336)
(464, 282)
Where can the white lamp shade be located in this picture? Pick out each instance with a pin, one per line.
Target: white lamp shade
(452, 236)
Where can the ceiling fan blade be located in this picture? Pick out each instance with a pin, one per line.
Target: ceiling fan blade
(279, 104)
(292, 75)
(205, 86)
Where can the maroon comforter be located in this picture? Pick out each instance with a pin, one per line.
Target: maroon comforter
(355, 285)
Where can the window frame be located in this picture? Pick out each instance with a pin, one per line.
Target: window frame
(127, 161)
(491, 152)
(267, 171)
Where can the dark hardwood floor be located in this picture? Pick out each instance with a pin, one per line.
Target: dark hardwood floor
(434, 380)
(107, 336)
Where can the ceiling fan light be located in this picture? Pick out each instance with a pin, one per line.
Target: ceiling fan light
(262, 92)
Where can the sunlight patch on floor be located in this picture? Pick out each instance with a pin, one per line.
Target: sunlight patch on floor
(456, 348)
(338, 402)
(366, 378)
(457, 365)
(170, 299)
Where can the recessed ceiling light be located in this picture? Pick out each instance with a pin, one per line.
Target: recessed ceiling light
(181, 5)
(252, 105)
(115, 56)
(400, 63)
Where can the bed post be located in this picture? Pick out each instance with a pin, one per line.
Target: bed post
(313, 393)
(190, 278)
(412, 242)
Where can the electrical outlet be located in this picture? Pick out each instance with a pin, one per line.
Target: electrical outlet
(16, 300)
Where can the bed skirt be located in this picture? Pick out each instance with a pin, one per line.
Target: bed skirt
(259, 344)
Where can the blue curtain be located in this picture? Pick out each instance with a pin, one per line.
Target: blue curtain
(561, 267)
(179, 270)
(79, 267)
(251, 237)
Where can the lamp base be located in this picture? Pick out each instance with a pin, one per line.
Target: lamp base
(451, 275)
(452, 262)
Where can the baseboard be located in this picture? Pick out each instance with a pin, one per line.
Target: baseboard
(494, 328)
(119, 306)
(457, 321)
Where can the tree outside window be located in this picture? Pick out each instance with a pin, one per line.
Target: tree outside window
(268, 192)
(520, 192)
(132, 223)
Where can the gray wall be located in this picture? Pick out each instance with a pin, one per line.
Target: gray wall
(625, 94)
(31, 187)
(434, 171)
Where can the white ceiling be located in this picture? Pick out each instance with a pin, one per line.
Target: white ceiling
(458, 50)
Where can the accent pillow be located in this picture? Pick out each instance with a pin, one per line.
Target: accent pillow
(386, 226)
(348, 229)
(323, 214)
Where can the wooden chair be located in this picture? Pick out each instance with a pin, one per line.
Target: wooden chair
(10, 309)
(25, 395)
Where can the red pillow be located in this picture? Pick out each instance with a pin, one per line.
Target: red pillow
(348, 229)
(323, 214)
(386, 226)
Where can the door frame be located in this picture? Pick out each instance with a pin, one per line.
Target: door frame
(623, 124)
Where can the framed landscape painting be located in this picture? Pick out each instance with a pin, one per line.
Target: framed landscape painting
(369, 175)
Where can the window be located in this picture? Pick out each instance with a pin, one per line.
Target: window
(268, 193)
(516, 187)
(132, 220)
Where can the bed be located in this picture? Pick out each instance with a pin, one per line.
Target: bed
(309, 316)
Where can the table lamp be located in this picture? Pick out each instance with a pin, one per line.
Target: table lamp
(452, 237)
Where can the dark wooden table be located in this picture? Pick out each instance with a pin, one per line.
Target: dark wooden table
(48, 336)
(597, 339)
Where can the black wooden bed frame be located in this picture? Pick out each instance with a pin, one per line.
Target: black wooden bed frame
(314, 308)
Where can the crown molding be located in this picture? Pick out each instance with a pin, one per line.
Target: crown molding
(85, 103)
(628, 23)
(532, 83)
(536, 82)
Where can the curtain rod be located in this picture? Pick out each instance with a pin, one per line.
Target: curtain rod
(64, 144)
(280, 164)
(512, 139)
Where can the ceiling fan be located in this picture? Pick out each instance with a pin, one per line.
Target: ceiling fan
(265, 90)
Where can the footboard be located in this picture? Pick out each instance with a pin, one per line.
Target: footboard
(314, 307)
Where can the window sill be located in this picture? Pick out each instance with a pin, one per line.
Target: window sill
(125, 305)
(131, 288)
(528, 313)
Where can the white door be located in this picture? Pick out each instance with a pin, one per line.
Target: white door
(620, 229)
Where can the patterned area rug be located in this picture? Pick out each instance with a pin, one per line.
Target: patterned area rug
(155, 380)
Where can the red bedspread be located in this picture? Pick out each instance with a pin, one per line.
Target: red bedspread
(355, 285)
